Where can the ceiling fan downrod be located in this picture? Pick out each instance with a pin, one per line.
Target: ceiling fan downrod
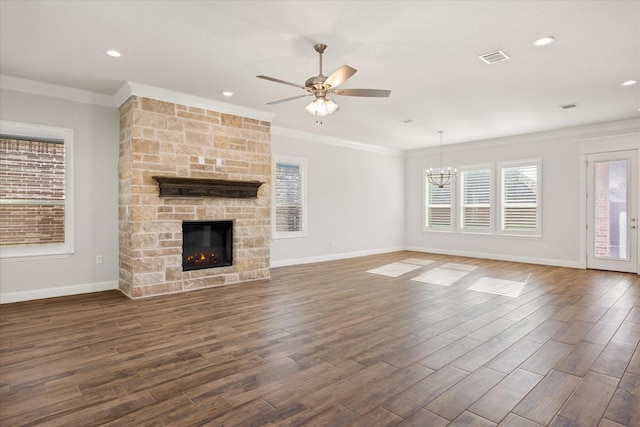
(320, 48)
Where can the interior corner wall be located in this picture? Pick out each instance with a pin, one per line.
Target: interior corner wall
(96, 201)
(562, 241)
(355, 203)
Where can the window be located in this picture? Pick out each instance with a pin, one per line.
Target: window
(519, 197)
(475, 199)
(289, 195)
(438, 212)
(36, 203)
(474, 207)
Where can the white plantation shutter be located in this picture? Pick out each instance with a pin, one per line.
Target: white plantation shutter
(475, 209)
(520, 198)
(438, 205)
(289, 197)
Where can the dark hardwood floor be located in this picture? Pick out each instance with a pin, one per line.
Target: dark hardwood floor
(333, 344)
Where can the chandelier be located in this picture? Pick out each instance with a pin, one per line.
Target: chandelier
(442, 178)
(321, 106)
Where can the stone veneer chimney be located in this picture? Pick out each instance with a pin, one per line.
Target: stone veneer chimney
(159, 138)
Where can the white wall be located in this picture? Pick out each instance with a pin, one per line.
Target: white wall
(361, 200)
(563, 237)
(96, 200)
(355, 201)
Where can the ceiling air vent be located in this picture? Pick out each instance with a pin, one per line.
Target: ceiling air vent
(569, 106)
(493, 57)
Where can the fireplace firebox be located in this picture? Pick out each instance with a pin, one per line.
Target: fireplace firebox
(207, 244)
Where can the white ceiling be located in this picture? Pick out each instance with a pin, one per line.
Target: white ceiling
(425, 52)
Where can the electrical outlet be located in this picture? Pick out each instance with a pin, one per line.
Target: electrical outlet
(98, 259)
(201, 160)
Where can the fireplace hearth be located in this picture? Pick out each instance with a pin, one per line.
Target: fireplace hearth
(207, 244)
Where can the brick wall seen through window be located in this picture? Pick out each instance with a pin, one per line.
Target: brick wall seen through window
(32, 192)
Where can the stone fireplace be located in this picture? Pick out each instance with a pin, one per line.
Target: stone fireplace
(184, 165)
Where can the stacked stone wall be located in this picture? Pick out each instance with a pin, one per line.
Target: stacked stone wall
(160, 138)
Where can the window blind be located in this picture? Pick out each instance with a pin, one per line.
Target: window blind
(520, 198)
(476, 199)
(32, 192)
(438, 205)
(289, 197)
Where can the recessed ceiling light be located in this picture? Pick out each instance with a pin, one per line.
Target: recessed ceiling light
(406, 121)
(113, 53)
(227, 93)
(543, 41)
(629, 83)
(569, 106)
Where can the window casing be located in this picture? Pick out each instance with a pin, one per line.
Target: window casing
(520, 196)
(438, 206)
(469, 204)
(476, 199)
(289, 213)
(36, 191)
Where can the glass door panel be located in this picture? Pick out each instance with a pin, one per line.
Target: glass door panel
(612, 217)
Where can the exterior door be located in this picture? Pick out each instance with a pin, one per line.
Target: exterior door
(612, 223)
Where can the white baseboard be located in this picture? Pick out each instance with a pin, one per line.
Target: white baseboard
(9, 297)
(482, 255)
(333, 257)
(500, 257)
(61, 291)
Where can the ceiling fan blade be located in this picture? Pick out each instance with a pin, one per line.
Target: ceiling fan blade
(288, 99)
(281, 81)
(374, 93)
(339, 76)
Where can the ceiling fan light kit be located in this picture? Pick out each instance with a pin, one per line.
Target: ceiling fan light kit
(321, 86)
(321, 107)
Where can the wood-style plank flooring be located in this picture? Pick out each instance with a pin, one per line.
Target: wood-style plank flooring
(331, 344)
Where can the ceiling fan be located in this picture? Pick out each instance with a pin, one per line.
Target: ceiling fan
(321, 87)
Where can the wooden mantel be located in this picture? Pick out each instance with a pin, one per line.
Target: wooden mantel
(203, 187)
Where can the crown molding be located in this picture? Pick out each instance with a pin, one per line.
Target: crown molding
(129, 89)
(138, 89)
(617, 142)
(126, 90)
(321, 139)
(55, 91)
(576, 134)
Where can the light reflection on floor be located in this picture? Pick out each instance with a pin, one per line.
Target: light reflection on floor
(394, 269)
(449, 274)
(441, 276)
